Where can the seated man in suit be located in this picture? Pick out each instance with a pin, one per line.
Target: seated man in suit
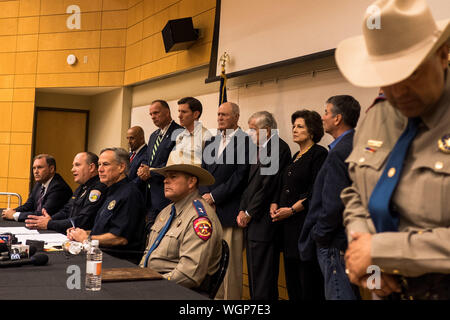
(185, 242)
(138, 154)
(120, 220)
(226, 157)
(323, 230)
(50, 192)
(160, 144)
(84, 204)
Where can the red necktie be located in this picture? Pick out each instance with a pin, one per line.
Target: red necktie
(133, 154)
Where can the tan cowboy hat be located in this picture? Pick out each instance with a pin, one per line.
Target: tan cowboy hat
(185, 164)
(398, 36)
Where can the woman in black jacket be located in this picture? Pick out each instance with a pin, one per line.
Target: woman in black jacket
(290, 205)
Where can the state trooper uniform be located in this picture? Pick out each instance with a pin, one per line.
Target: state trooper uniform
(421, 200)
(122, 214)
(81, 208)
(190, 249)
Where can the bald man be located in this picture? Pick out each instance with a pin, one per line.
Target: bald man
(138, 154)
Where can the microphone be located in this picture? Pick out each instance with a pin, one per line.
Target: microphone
(39, 259)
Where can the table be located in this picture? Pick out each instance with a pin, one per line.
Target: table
(49, 282)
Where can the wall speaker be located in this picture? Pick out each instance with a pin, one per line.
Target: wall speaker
(179, 34)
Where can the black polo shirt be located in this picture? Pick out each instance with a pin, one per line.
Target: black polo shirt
(81, 208)
(122, 213)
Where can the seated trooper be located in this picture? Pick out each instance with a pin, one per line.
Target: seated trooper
(185, 242)
(119, 223)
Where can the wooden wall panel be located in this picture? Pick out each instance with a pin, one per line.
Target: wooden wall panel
(26, 62)
(73, 40)
(114, 19)
(112, 59)
(28, 25)
(29, 8)
(9, 9)
(9, 43)
(56, 61)
(113, 38)
(114, 5)
(28, 42)
(22, 116)
(8, 26)
(5, 116)
(57, 23)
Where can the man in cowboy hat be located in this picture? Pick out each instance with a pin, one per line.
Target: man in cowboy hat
(185, 242)
(397, 213)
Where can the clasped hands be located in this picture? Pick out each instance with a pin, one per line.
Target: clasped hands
(144, 172)
(358, 259)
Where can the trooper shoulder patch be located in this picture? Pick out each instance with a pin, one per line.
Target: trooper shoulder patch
(203, 228)
(94, 195)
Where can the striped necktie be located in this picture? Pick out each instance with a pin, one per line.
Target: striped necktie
(380, 200)
(155, 148)
(41, 197)
(160, 235)
(133, 154)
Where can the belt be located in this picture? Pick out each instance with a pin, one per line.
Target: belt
(431, 286)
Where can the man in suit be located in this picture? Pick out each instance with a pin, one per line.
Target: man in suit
(226, 158)
(50, 192)
(160, 144)
(138, 154)
(323, 232)
(254, 210)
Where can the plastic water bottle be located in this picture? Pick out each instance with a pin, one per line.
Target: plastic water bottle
(94, 267)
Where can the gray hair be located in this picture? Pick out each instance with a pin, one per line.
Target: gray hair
(121, 156)
(264, 119)
(234, 108)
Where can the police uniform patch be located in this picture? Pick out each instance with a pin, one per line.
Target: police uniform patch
(203, 228)
(94, 195)
(444, 143)
(111, 205)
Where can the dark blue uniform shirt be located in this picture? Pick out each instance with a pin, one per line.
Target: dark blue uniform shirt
(81, 208)
(122, 214)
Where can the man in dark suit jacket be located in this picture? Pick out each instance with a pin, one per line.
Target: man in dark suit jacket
(50, 192)
(160, 144)
(262, 253)
(226, 157)
(138, 154)
(323, 232)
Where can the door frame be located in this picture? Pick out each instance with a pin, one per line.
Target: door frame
(35, 119)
